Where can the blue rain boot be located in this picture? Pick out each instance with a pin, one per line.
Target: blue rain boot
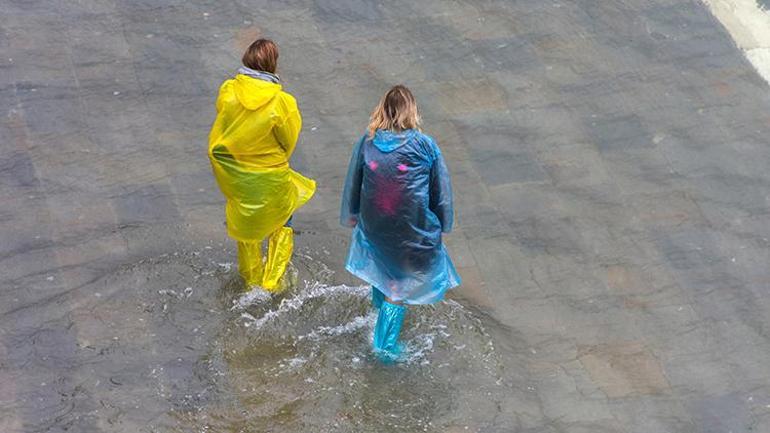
(377, 298)
(386, 331)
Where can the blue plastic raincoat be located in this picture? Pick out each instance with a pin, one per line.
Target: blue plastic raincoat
(398, 198)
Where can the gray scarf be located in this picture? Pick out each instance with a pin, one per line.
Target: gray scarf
(260, 75)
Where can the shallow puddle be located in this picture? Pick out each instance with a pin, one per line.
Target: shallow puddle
(174, 344)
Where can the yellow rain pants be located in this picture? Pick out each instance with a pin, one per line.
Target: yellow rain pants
(253, 268)
(250, 144)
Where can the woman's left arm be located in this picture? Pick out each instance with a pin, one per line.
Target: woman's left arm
(441, 192)
(287, 126)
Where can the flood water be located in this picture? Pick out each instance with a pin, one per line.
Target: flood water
(177, 346)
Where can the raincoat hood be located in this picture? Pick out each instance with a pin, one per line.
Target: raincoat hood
(388, 141)
(254, 93)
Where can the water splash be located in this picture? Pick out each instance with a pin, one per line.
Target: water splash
(254, 296)
(297, 302)
(358, 322)
(308, 358)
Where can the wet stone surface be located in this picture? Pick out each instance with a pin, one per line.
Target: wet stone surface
(609, 162)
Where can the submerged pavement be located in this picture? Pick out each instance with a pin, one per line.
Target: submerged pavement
(610, 165)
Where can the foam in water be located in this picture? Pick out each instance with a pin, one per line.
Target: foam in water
(295, 303)
(357, 323)
(254, 296)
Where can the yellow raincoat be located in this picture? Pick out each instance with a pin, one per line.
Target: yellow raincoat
(250, 144)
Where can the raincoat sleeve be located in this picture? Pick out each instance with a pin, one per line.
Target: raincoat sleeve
(221, 96)
(441, 192)
(288, 125)
(351, 196)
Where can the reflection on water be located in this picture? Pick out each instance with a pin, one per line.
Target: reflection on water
(186, 350)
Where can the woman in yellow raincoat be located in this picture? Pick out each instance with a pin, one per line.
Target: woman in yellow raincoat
(250, 145)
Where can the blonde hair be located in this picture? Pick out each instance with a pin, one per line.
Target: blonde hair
(396, 111)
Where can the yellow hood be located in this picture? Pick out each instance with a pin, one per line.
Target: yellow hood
(253, 93)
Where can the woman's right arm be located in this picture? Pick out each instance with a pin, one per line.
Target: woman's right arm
(351, 196)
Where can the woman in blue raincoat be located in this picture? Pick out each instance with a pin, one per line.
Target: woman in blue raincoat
(398, 199)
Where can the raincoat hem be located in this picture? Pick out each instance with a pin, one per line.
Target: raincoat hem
(438, 295)
(306, 189)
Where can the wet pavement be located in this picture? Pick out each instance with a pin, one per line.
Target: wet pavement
(612, 195)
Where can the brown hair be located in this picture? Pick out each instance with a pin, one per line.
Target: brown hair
(396, 111)
(262, 55)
